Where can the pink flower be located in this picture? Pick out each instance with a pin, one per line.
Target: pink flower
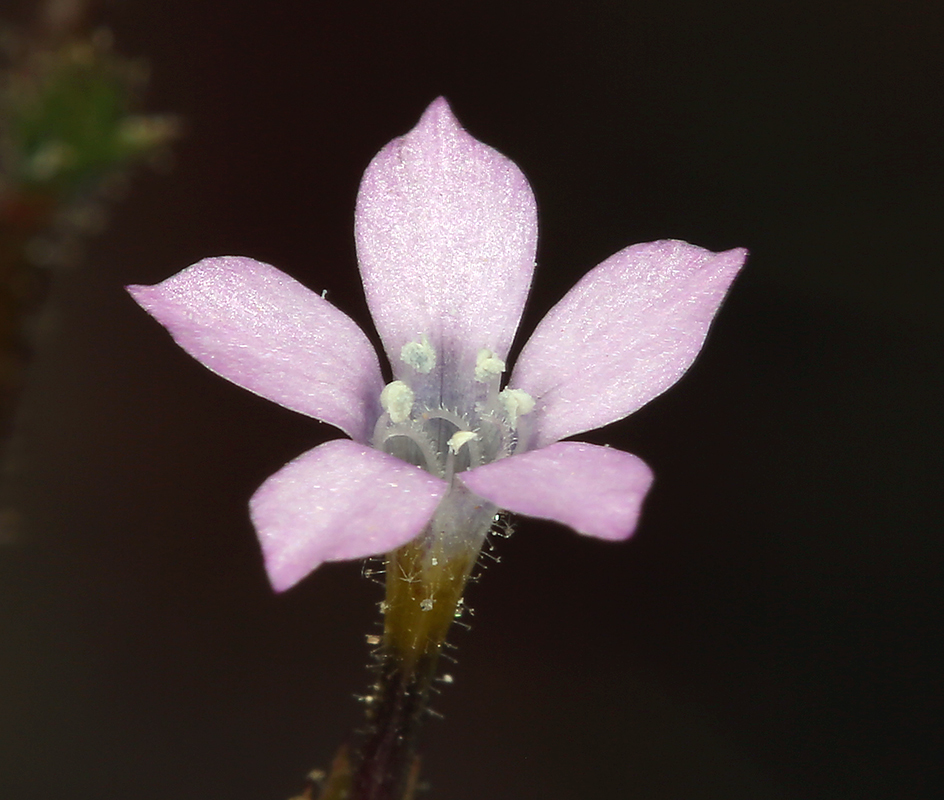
(446, 230)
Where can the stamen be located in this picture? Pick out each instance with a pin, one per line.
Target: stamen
(397, 400)
(495, 435)
(488, 366)
(516, 402)
(419, 355)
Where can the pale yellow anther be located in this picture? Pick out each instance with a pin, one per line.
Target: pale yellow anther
(397, 400)
(459, 439)
(515, 402)
(419, 355)
(488, 366)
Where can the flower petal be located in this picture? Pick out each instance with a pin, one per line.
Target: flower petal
(446, 231)
(597, 491)
(339, 501)
(264, 331)
(623, 335)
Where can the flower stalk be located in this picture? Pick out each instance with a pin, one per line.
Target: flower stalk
(424, 588)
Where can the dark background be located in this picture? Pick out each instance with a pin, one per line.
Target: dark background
(773, 630)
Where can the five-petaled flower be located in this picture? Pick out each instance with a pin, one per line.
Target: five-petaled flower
(446, 230)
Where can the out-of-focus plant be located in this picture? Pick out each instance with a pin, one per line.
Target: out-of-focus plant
(70, 134)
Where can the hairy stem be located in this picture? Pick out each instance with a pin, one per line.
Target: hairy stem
(423, 592)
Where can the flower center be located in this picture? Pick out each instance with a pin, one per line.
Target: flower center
(445, 440)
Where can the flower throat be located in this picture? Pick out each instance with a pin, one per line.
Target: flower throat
(423, 427)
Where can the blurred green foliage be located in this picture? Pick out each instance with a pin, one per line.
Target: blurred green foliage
(70, 132)
(68, 119)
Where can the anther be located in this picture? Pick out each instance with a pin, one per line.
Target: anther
(419, 355)
(397, 400)
(516, 402)
(488, 366)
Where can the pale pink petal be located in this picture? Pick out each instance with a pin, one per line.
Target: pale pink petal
(597, 491)
(264, 331)
(446, 230)
(623, 335)
(340, 501)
